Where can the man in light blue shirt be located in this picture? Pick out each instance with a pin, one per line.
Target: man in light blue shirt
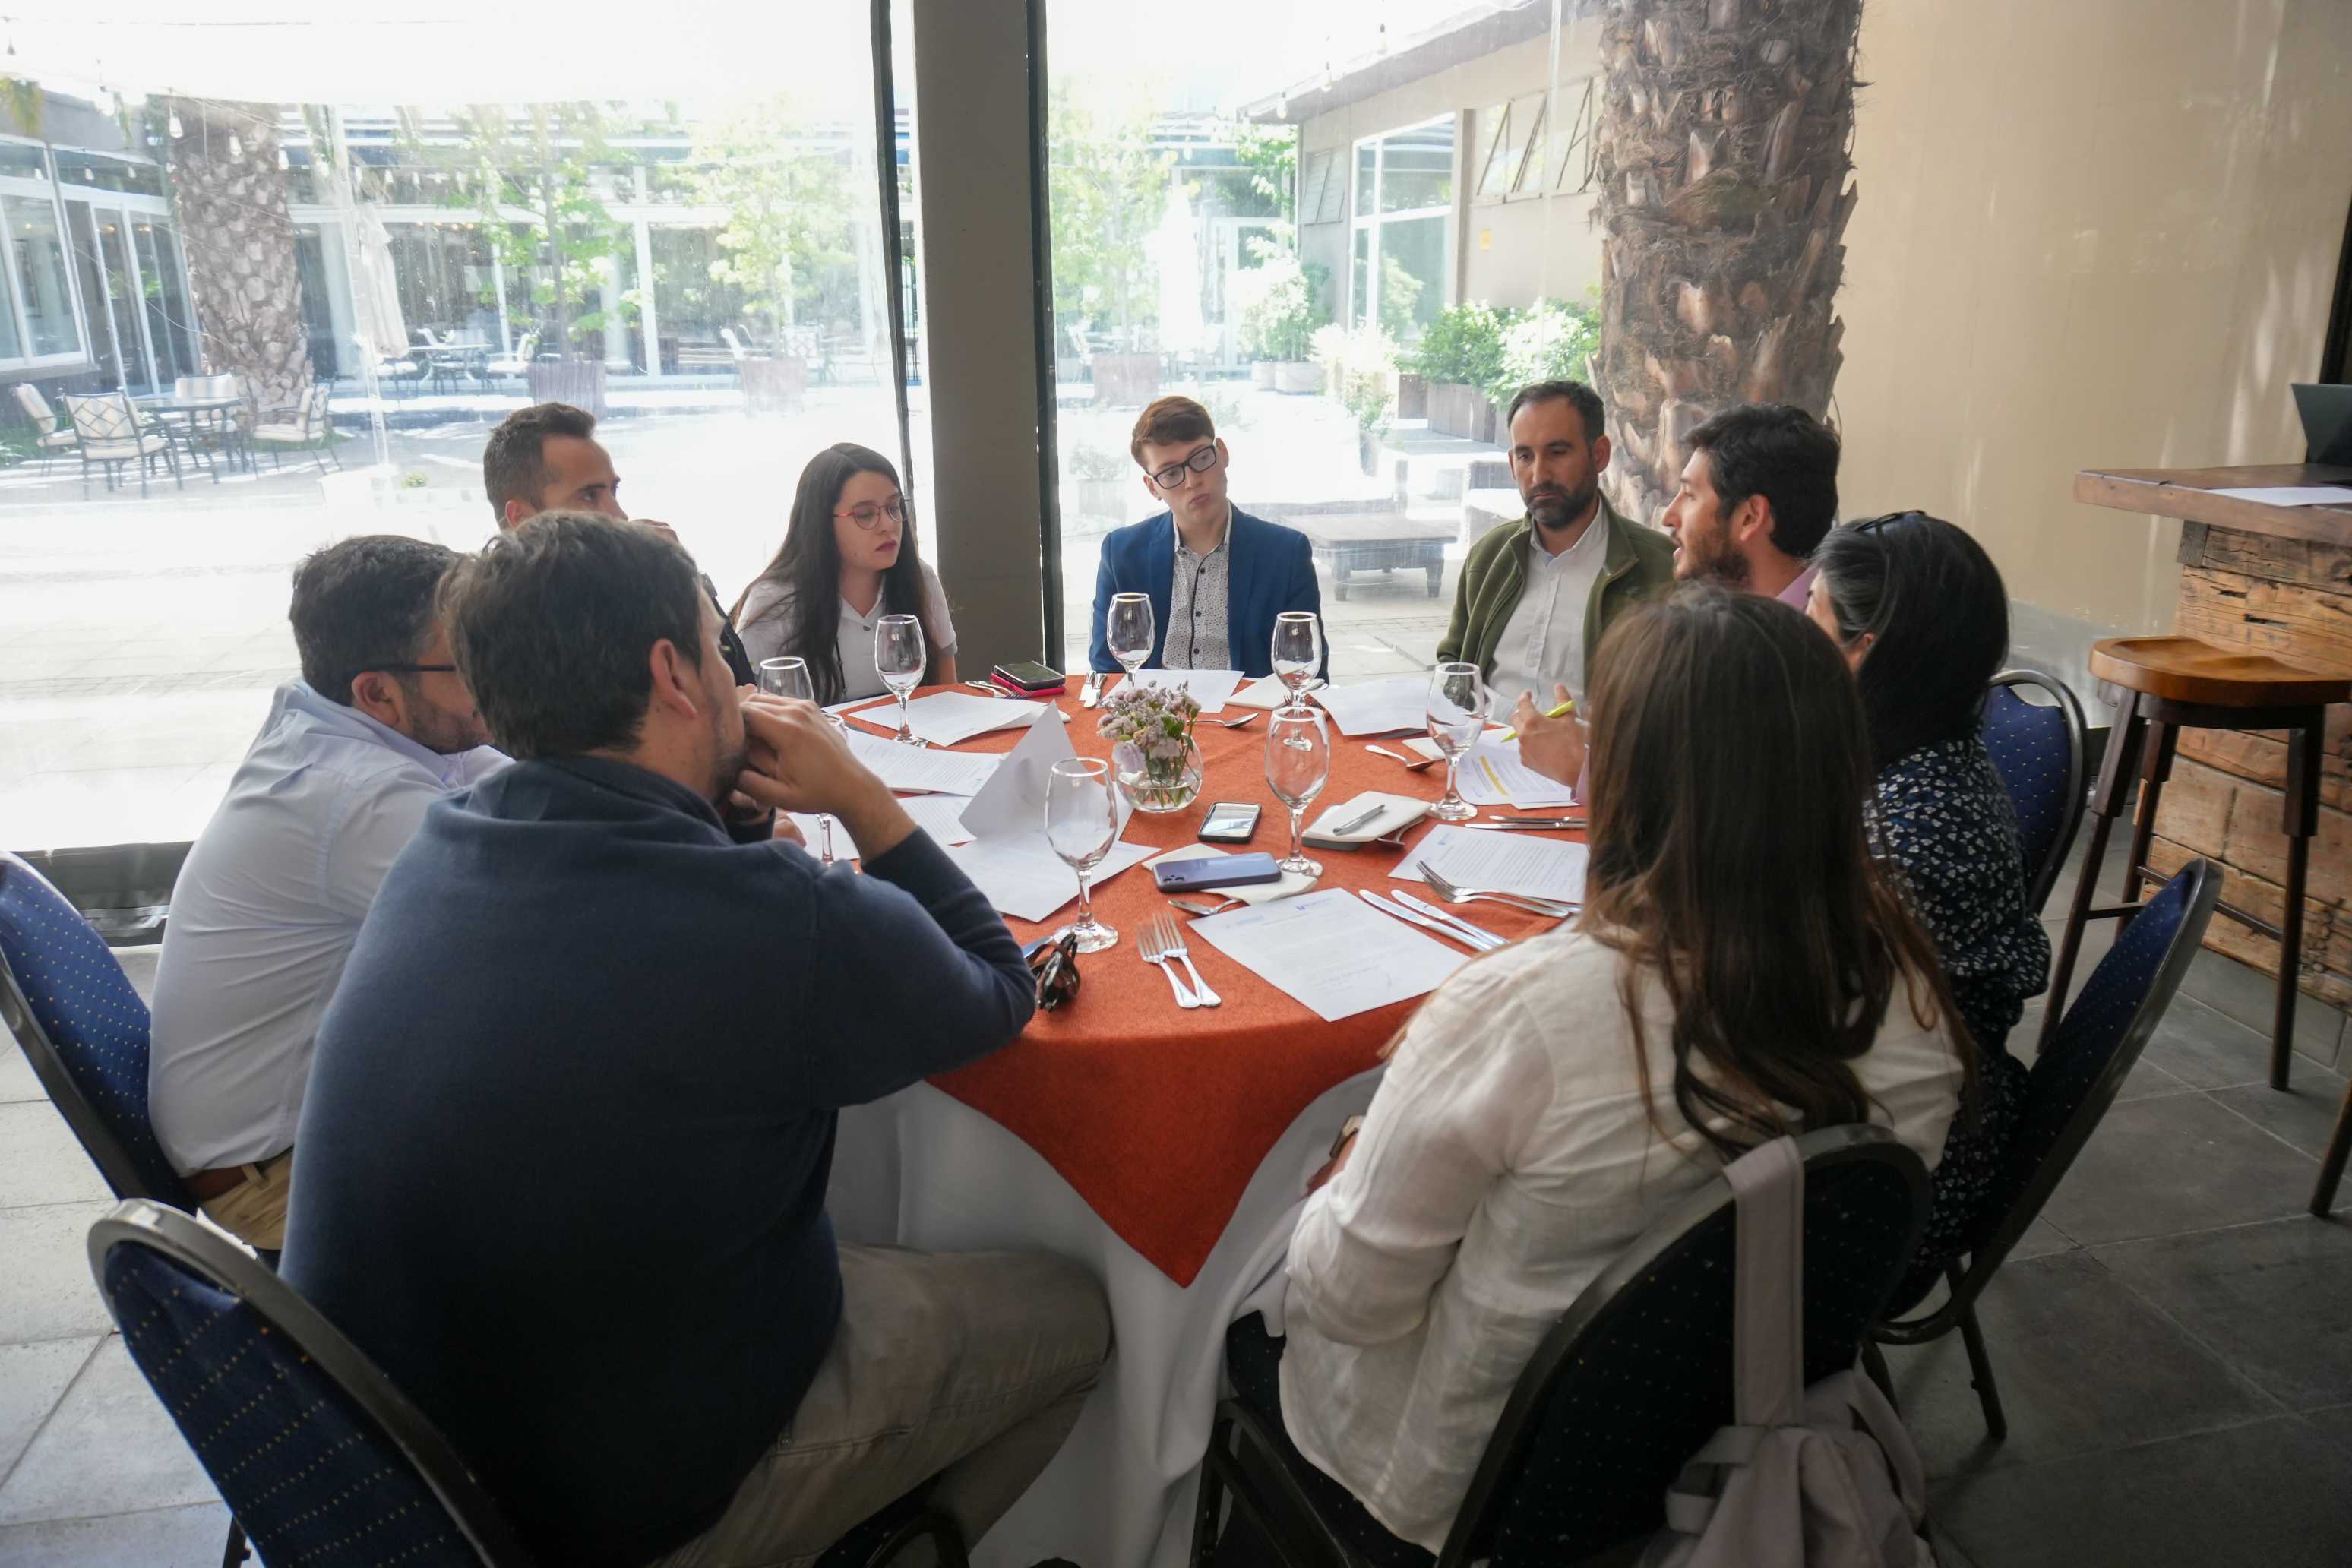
(270, 901)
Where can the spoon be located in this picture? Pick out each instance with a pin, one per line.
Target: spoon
(1190, 908)
(1230, 723)
(1411, 765)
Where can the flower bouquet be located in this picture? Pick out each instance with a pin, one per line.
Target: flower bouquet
(1153, 755)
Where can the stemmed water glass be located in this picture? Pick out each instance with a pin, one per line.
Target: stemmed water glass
(790, 678)
(1082, 823)
(898, 659)
(1128, 630)
(1297, 653)
(1456, 715)
(1298, 762)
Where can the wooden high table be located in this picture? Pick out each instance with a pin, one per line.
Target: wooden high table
(2266, 579)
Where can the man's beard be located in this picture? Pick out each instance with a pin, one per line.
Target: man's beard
(1712, 558)
(729, 766)
(1552, 512)
(440, 732)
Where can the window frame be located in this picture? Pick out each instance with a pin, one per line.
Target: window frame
(42, 189)
(1358, 222)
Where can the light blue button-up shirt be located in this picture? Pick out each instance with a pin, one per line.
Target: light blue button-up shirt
(265, 913)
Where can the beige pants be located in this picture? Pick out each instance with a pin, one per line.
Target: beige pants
(255, 1213)
(967, 1366)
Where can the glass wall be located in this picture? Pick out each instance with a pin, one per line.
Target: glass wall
(39, 257)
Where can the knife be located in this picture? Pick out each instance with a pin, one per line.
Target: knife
(1090, 691)
(1472, 943)
(1481, 932)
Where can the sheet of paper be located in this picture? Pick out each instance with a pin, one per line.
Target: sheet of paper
(1266, 692)
(948, 718)
(1499, 862)
(930, 769)
(1379, 707)
(1024, 878)
(1289, 886)
(1497, 765)
(1332, 952)
(1210, 688)
(937, 814)
(2291, 495)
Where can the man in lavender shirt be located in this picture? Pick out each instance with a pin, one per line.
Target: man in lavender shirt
(1759, 493)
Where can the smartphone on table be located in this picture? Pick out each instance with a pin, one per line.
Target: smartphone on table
(1229, 822)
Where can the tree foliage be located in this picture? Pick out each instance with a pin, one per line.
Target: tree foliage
(1270, 153)
(788, 245)
(1108, 188)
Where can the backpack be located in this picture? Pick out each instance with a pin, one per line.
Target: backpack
(1810, 1478)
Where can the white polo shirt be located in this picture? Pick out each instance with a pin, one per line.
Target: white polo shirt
(1543, 642)
(265, 913)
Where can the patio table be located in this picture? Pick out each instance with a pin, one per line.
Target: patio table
(191, 413)
(1348, 542)
(1166, 1151)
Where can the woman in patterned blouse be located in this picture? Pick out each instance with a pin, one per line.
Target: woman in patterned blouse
(1920, 611)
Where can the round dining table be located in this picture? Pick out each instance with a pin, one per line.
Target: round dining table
(1168, 1151)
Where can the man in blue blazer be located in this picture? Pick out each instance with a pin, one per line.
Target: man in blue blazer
(1216, 575)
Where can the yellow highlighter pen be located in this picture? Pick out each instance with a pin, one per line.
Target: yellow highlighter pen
(1562, 711)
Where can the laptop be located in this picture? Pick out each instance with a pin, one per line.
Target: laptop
(2327, 411)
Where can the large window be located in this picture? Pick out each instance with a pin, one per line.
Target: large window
(38, 255)
(1404, 227)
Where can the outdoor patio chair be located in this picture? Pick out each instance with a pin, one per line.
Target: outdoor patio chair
(2037, 751)
(515, 366)
(305, 424)
(316, 1452)
(400, 371)
(49, 439)
(2070, 1086)
(110, 435)
(224, 431)
(83, 1027)
(1637, 1375)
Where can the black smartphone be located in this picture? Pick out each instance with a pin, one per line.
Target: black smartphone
(1229, 822)
(1028, 675)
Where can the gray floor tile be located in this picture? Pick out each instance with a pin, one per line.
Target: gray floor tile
(2147, 1080)
(46, 1291)
(2040, 1239)
(2249, 995)
(2208, 1049)
(2083, 1364)
(2181, 1162)
(2304, 1113)
(2269, 1494)
(139, 964)
(160, 1538)
(110, 1448)
(32, 1379)
(2276, 1301)
(2335, 1423)
(41, 1162)
(17, 1083)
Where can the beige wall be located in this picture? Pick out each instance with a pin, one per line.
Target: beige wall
(1506, 253)
(2090, 232)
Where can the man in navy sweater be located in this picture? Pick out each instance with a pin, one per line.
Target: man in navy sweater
(572, 1106)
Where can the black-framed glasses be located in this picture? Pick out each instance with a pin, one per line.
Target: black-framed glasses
(1053, 964)
(869, 515)
(1175, 474)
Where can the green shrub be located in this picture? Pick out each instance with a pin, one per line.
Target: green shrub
(1552, 342)
(1464, 344)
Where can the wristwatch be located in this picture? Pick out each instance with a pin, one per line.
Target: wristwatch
(1348, 1129)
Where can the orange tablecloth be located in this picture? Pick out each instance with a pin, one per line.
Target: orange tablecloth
(1156, 1115)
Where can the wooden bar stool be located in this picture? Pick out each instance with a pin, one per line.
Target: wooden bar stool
(2170, 684)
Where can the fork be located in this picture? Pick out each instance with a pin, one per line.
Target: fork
(1453, 894)
(1148, 943)
(1411, 765)
(1171, 942)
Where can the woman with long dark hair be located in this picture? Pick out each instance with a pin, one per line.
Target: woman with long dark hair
(1740, 971)
(1919, 610)
(848, 560)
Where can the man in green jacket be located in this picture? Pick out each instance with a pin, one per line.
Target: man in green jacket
(1536, 596)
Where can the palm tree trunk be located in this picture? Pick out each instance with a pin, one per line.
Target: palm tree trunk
(1722, 156)
(239, 238)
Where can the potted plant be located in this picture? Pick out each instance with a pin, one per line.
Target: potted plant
(1282, 301)
(1153, 756)
(1460, 356)
(1096, 476)
(1359, 367)
(1554, 341)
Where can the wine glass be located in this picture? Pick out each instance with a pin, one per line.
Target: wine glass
(1298, 652)
(898, 659)
(1128, 630)
(1457, 716)
(790, 678)
(1298, 762)
(1082, 823)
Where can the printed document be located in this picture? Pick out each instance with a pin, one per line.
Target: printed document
(1332, 952)
(1499, 862)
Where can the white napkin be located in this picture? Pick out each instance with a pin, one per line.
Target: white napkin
(1396, 811)
(1266, 692)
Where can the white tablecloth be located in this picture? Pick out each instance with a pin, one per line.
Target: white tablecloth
(922, 1170)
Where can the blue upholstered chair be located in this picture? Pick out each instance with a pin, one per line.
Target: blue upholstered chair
(2037, 749)
(318, 1456)
(2072, 1084)
(84, 1029)
(1625, 1388)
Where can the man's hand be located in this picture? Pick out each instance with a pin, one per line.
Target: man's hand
(665, 530)
(1553, 747)
(799, 761)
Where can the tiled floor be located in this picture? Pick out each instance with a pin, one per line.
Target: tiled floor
(2173, 1341)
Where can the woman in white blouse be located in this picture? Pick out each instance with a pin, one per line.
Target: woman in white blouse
(1740, 971)
(848, 558)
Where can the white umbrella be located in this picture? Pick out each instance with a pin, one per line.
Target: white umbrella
(375, 295)
(1176, 247)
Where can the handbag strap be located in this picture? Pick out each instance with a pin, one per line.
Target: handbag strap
(1767, 1355)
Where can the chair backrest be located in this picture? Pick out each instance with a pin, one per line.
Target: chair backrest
(35, 407)
(1638, 1373)
(318, 1456)
(105, 416)
(2096, 1046)
(84, 1029)
(2038, 750)
(314, 409)
(734, 343)
(188, 386)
